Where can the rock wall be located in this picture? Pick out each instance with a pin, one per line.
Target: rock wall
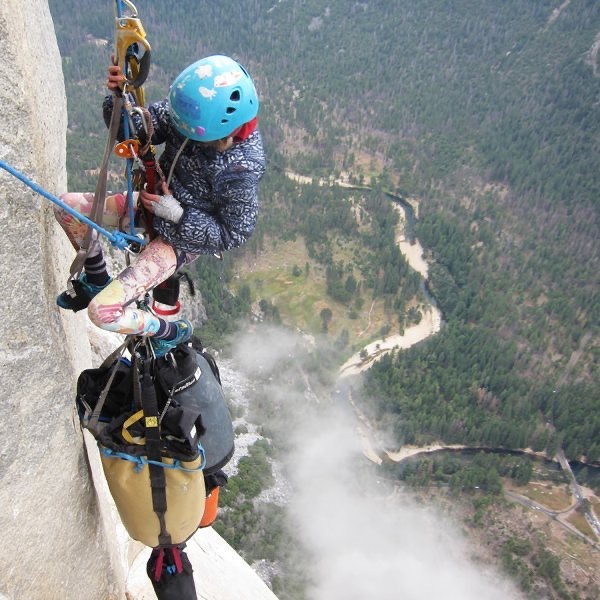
(51, 534)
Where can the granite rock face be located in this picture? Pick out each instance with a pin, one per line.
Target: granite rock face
(49, 521)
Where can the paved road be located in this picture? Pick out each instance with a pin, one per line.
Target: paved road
(558, 516)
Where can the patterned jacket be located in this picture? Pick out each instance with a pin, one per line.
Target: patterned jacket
(218, 190)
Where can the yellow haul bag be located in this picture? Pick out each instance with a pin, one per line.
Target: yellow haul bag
(129, 483)
(162, 426)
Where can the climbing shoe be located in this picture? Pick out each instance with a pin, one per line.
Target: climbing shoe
(184, 334)
(84, 292)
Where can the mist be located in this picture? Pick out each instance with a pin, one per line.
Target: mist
(364, 538)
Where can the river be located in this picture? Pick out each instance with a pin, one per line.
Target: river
(431, 320)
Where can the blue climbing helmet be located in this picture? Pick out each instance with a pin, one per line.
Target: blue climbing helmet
(212, 98)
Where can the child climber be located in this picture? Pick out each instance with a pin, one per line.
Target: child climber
(214, 157)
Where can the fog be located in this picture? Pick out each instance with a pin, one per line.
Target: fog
(364, 540)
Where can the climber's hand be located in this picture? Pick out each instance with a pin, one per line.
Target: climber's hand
(115, 78)
(165, 207)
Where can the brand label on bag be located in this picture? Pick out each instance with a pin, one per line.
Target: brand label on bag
(189, 382)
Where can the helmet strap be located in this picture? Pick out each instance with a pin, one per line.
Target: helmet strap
(179, 151)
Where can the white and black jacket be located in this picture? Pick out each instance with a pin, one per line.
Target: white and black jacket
(218, 190)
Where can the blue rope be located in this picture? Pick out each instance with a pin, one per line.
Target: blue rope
(140, 461)
(119, 4)
(129, 164)
(118, 239)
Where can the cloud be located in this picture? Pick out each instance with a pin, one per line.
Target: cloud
(365, 539)
(261, 351)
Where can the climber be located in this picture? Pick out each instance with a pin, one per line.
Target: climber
(209, 202)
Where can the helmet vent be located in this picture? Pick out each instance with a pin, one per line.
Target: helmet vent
(235, 96)
(230, 109)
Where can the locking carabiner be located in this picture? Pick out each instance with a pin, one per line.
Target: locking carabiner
(130, 40)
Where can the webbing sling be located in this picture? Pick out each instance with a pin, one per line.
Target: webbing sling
(100, 193)
(144, 394)
(114, 357)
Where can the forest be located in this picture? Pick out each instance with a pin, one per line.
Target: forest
(487, 113)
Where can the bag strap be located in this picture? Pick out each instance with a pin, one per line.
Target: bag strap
(177, 559)
(134, 418)
(144, 393)
(158, 565)
(92, 425)
(159, 555)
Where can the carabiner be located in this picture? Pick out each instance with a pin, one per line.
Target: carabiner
(136, 245)
(138, 110)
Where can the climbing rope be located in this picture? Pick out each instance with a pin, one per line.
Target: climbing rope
(118, 238)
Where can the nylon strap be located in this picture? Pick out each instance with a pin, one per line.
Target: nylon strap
(134, 418)
(113, 357)
(100, 193)
(145, 393)
(160, 557)
(177, 558)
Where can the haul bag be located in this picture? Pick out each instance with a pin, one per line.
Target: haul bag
(190, 438)
(129, 483)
